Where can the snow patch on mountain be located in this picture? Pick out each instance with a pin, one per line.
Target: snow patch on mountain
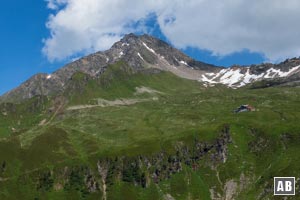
(273, 73)
(183, 62)
(125, 44)
(205, 79)
(237, 77)
(149, 48)
(140, 56)
(121, 54)
(231, 77)
(249, 78)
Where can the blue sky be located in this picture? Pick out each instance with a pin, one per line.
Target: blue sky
(28, 46)
(22, 30)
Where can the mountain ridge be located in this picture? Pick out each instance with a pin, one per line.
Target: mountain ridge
(145, 51)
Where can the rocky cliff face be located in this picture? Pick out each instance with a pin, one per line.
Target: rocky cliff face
(139, 170)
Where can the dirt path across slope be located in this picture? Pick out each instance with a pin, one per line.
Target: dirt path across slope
(107, 103)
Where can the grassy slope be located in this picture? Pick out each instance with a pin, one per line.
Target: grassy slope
(265, 142)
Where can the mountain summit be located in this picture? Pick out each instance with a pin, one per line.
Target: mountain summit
(139, 52)
(144, 52)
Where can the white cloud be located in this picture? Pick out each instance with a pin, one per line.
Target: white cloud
(55, 4)
(223, 27)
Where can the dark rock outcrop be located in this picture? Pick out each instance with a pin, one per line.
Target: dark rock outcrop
(138, 170)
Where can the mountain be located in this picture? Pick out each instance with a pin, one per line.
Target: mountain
(141, 52)
(143, 121)
(237, 76)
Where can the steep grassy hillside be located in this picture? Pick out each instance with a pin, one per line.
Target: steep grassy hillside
(148, 135)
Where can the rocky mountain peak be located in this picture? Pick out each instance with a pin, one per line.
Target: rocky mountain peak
(130, 38)
(139, 52)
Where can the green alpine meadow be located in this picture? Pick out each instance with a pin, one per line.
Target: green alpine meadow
(143, 121)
